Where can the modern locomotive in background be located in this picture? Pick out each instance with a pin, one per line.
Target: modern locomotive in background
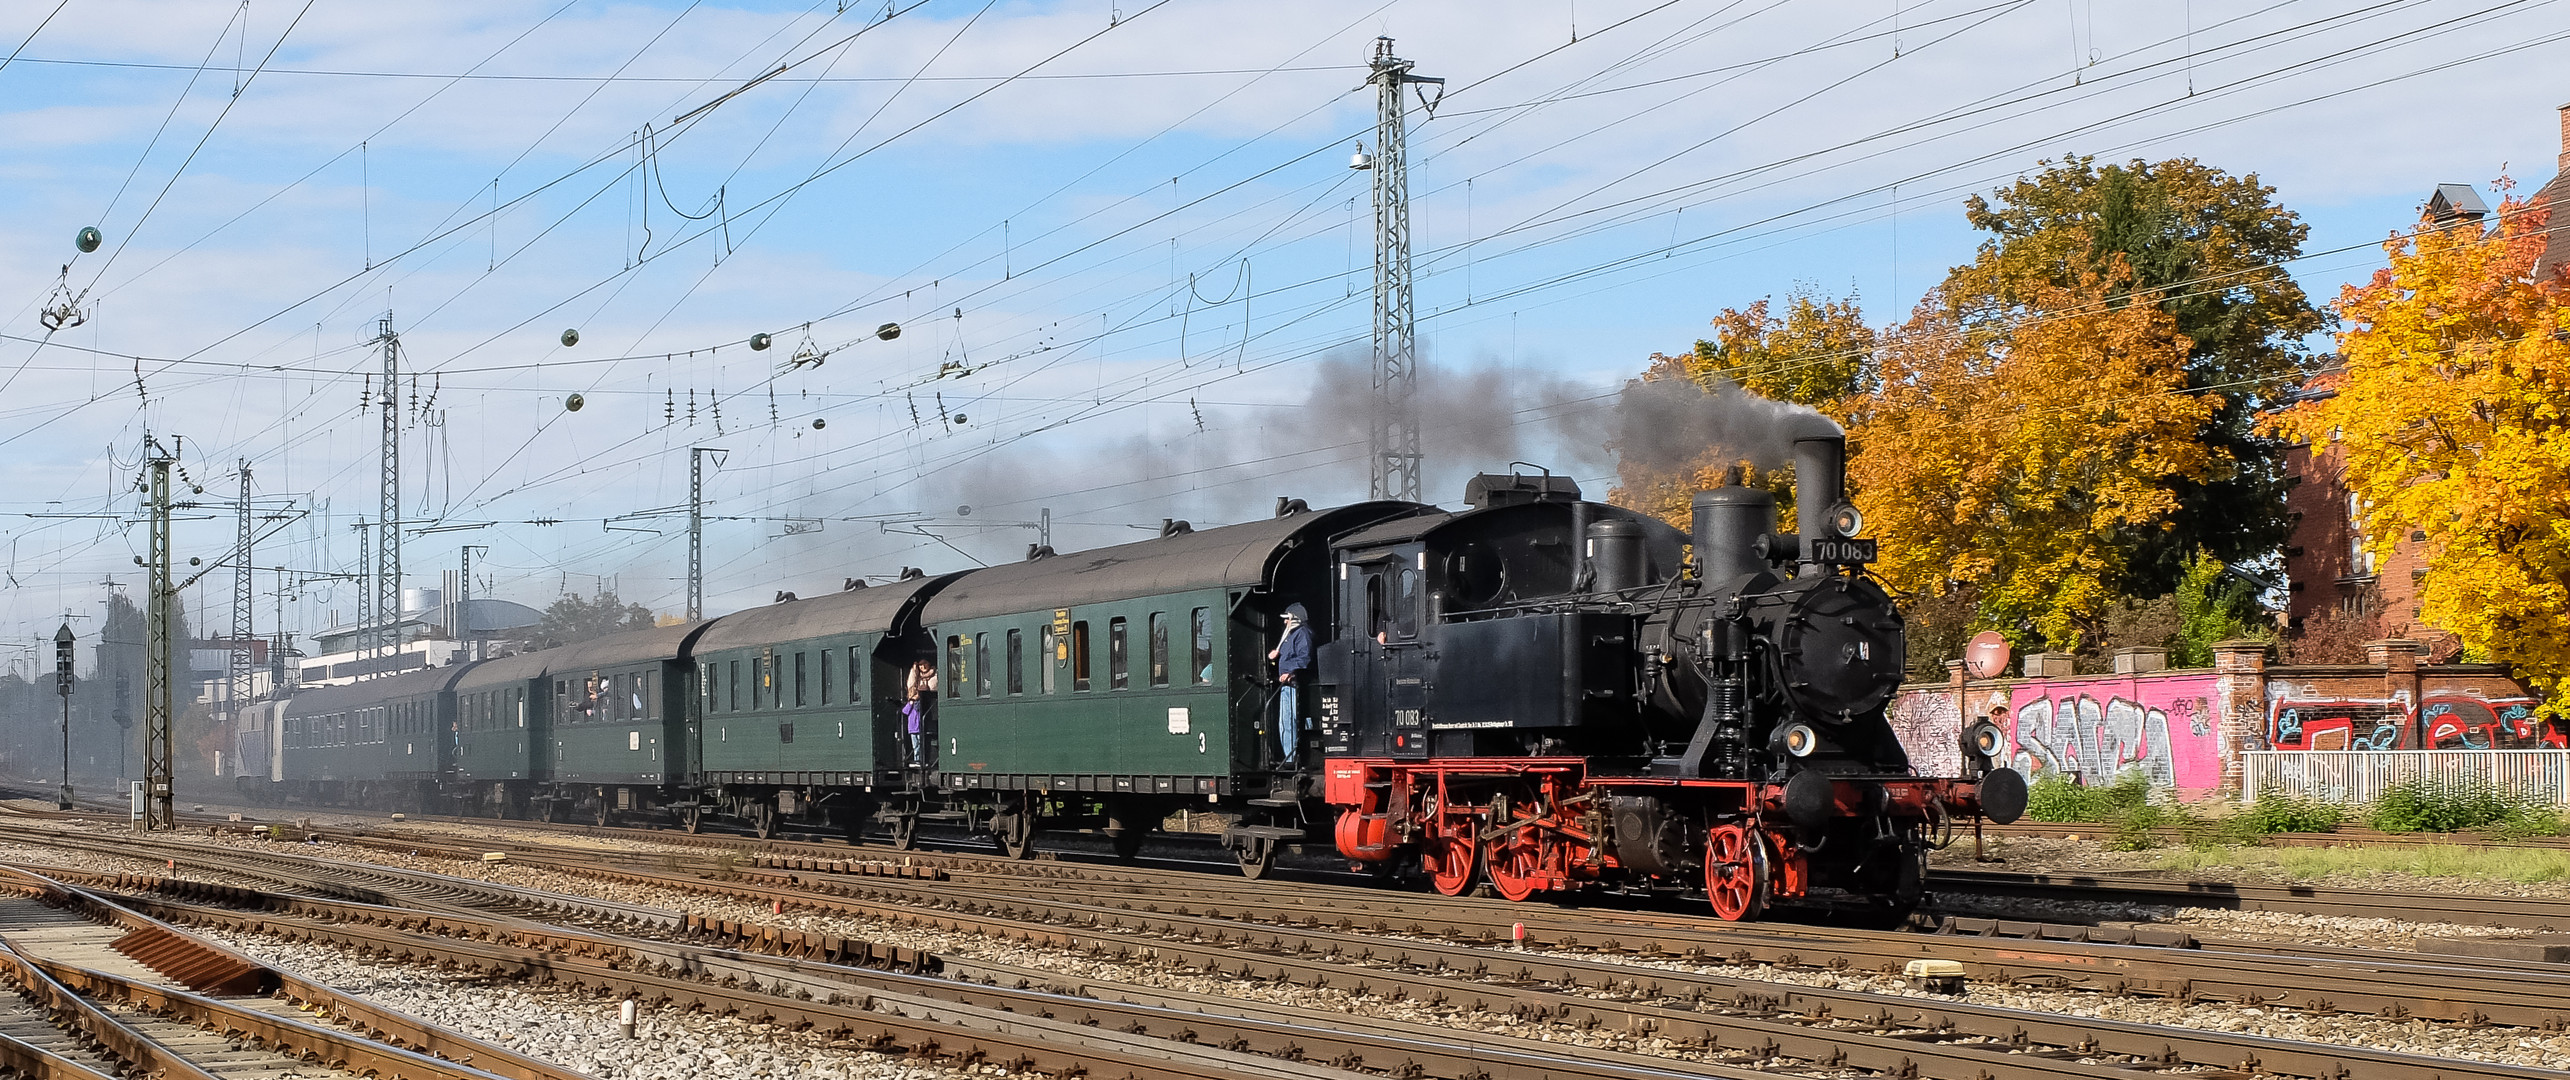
(1538, 693)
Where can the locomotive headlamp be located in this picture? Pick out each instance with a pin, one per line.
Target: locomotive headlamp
(1846, 520)
(1800, 740)
(1986, 738)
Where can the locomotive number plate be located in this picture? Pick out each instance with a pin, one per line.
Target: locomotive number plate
(1842, 551)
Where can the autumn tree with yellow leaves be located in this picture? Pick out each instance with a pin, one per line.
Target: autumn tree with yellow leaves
(2016, 460)
(2453, 416)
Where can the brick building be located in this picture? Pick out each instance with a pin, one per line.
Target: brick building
(2327, 565)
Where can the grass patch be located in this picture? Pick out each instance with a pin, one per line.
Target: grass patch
(2516, 864)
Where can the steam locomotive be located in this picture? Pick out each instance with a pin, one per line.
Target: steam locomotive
(1537, 693)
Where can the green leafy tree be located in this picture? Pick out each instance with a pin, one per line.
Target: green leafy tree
(2213, 605)
(575, 618)
(2207, 247)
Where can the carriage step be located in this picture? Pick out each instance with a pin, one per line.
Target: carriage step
(1274, 804)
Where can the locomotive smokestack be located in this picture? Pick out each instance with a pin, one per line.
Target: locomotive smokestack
(1820, 481)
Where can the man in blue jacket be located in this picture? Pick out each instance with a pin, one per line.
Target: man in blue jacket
(1293, 658)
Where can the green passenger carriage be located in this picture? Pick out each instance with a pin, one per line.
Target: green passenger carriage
(618, 725)
(379, 743)
(1108, 689)
(799, 708)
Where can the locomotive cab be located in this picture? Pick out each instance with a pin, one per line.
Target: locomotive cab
(1491, 632)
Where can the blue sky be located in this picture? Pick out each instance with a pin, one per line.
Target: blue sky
(1122, 239)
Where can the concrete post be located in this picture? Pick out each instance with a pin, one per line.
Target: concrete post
(2240, 690)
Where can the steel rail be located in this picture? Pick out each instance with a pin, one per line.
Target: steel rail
(2341, 836)
(1534, 988)
(114, 1036)
(1883, 1040)
(2446, 989)
(207, 964)
(2517, 912)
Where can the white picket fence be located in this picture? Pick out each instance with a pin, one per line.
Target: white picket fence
(2361, 776)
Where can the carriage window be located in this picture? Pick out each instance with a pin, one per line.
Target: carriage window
(1115, 654)
(856, 685)
(713, 684)
(618, 689)
(798, 680)
(734, 701)
(1017, 661)
(1405, 603)
(1044, 663)
(762, 679)
(982, 660)
(1159, 648)
(1200, 647)
(1377, 623)
(955, 666)
(824, 665)
(1080, 657)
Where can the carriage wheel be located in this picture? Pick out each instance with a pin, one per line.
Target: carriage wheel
(606, 810)
(1449, 856)
(763, 819)
(1737, 872)
(1258, 858)
(1014, 830)
(905, 832)
(692, 819)
(1516, 864)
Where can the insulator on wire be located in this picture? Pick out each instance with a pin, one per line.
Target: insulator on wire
(691, 406)
(366, 394)
(669, 409)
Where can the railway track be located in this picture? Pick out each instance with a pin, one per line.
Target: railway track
(104, 990)
(1438, 950)
(2342, 836)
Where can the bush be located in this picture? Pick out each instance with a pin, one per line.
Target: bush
(2420, 806)
(2064, 799)
(2529, 822)
(2290, 814)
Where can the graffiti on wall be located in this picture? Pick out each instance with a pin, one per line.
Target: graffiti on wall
(2445, 722)
(2091, 730)
(2470, 723)
(2338, 725)
(2093, 734)
(1930, 731)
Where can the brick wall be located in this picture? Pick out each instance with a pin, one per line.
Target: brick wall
(2185, 729)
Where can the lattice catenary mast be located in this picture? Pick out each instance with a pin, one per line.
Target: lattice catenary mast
(385, 638)
(240, 695)
(1395, 441)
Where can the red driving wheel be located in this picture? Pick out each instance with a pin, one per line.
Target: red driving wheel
(1449, 854)
(1737, 872)
(1516, 864)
